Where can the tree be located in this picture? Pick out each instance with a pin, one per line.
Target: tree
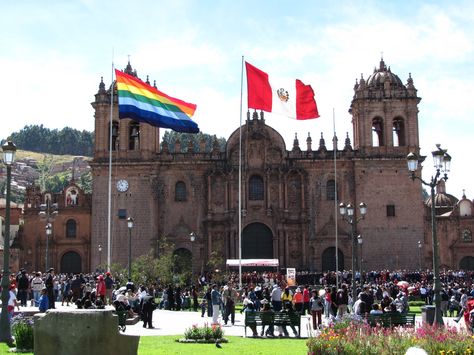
(65, 141)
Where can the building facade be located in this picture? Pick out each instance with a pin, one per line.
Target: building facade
(68, 247)
(288, 195)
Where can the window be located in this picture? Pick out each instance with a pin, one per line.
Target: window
(466, 236)
(331, 190)
(390, 210)
(115, 135)
(377, 132)
(256, 188)
(122, 213)
(398, 132)
(134, 136)
(71, 228)
(180, 191)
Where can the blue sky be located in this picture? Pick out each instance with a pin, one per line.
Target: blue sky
(53, 54)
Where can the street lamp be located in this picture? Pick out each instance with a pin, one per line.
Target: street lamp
(49, 231)
(442, 164)
(9, 150)
(360, 241)
(192, 238)
(48, 212)
(130, 226)
(100, 257)
(419, 255)
(348, 214)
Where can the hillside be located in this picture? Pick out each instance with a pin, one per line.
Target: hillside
(50, 172)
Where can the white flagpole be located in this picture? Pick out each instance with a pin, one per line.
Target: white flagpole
(240, 175)
(109, 207)
(335, 195)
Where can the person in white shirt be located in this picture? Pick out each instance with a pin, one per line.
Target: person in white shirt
(12, 302)
(37, 285)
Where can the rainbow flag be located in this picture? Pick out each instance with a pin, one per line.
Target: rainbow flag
(142, 102)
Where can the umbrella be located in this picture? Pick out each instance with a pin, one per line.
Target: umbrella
(403, 284)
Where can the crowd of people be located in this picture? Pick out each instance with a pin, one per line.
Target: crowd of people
(377, 292)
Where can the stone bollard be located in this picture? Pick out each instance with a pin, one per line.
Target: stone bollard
(81, 331)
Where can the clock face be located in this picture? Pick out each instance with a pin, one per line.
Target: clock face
(122, 185)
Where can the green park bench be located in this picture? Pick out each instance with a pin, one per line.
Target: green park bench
(389, 320)
(272, 318)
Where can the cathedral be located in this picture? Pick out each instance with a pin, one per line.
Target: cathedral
(289, 194)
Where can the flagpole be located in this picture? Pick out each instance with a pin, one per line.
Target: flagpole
(335, 195)
(109, 202)
(240, 175)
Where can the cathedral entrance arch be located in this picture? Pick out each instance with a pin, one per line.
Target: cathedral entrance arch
(467, 263)
(183, 261)
(257, 242)
(329, 259)
(71, 262)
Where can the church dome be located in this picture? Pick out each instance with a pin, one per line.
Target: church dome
(382, 75)
(444, 202)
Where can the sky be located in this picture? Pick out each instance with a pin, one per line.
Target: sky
(54, 53)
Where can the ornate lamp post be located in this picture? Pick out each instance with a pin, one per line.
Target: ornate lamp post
(100, 257)
(130, 226)
(442, 164)
(192, 238)
(348, 215)
(419, 255)
(48, 212)
(9, 150)
(49, 231)
(360, 241)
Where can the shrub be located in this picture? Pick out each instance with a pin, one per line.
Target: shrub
(22, 331)
(206, 333)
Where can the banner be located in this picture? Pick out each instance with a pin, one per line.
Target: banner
(291, 276)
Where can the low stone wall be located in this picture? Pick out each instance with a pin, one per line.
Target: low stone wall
(81, 331)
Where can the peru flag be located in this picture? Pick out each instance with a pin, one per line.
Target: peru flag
(295, 99)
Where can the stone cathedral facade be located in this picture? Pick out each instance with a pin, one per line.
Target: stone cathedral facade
(288, 193)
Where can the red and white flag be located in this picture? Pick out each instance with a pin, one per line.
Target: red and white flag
(295, 99)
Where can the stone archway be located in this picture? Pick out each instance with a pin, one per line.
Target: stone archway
(329, 259)
(71, 262)
(467, 263)
(257, 242)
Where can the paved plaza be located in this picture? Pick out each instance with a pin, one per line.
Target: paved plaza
(175, 323)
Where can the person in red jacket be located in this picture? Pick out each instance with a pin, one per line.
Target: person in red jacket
(298, 301)
(306, 300)
(100, 289)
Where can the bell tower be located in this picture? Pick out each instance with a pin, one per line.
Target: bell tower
(131, 140)
(385, 114)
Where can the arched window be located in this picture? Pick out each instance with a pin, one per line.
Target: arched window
(115, 135)
(377, 132)
(398, 132)
(134, 136)
(71, 228)
(256, 188)
(331, 190)
(180, 191)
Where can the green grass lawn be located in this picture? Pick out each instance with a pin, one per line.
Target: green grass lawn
(156, 345)
(236, 345)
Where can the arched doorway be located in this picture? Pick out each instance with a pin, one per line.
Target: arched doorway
(329, 259)
(257, 242)
(467, 263)
(183, 261)
(71, 262)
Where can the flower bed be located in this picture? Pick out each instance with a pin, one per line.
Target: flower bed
(22, 331)
(205, 334)
(349, 338)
